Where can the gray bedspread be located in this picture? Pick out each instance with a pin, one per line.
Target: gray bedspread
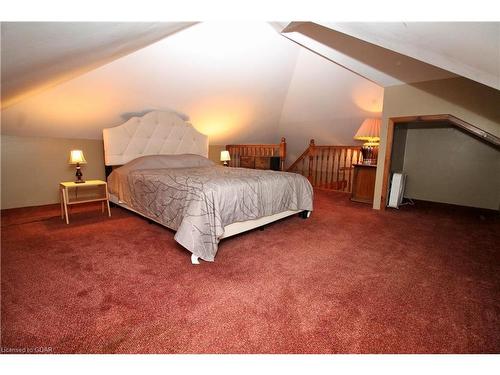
(198, 202)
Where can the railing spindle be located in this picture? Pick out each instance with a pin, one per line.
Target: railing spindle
(350, 170)
(316, 169)
(327, 177)
(311, 156)
(321, 168)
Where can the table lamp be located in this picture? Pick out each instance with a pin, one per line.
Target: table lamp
(225, 157)
(76, 157)
(369, 131)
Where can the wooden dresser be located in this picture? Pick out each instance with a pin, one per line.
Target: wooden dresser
(363, 183)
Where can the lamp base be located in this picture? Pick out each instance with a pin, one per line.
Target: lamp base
(370, 154)
(79, 175)
(226, 164)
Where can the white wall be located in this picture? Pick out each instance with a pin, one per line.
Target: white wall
(325, 102)
(445, 164)
(229, 78)
(32, 168)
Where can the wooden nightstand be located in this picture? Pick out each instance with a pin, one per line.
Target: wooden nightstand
(93, 191)
(363, 183)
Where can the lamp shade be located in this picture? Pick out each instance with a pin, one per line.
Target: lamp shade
(369, 130)
(224, 156)
(76, 156)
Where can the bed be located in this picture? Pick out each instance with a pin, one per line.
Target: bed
(160, 170)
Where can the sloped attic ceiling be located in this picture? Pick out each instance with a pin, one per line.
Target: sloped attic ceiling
(379, 65)
(238, 82)
(229, 77)
(392, 53)
(37, 55)
(469, 49)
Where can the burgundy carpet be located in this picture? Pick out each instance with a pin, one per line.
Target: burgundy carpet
(425, 279)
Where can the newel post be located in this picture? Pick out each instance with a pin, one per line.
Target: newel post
(282, 153)
(311, 158)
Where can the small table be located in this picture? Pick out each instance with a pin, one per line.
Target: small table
(363, 183)
(65, 189)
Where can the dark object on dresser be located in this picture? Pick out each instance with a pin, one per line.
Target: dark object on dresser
(268, 162)
(363, 183)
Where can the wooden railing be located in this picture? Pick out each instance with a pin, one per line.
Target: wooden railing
(328, 167)
(237, 151)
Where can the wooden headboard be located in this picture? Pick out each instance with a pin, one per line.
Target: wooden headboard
(155, 133)
(238, 151)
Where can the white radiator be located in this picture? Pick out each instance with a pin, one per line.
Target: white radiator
(397, 190)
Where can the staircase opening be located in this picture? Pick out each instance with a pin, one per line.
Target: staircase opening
(328, 167)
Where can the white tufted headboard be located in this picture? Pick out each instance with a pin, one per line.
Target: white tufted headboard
(157, 132)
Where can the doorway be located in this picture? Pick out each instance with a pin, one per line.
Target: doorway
(446, 160)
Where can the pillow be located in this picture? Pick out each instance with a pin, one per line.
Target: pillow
(167, 161)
